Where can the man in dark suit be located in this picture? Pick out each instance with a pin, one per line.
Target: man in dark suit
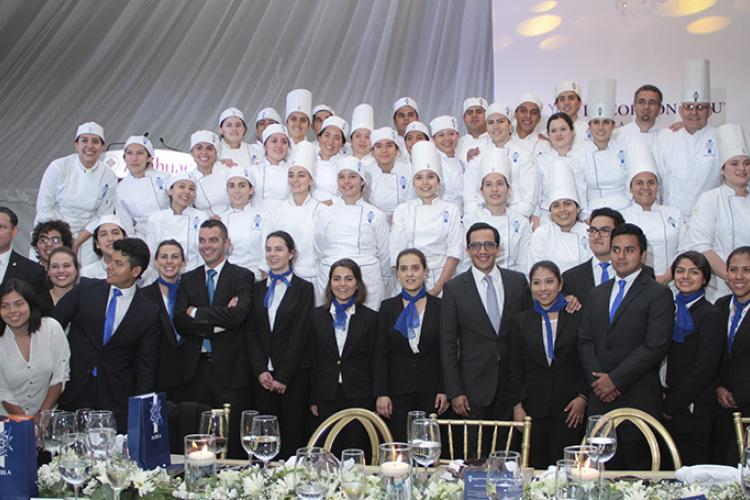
(475, 329)
(211, 311)
(114, 336)
(625, 334)
(13, 264)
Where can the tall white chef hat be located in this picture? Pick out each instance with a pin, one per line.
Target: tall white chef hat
(405, 101)
(639, 159)
(696, 81)
(563, 183)
(417, 126)
(303, 155)
(495, 160)
(444, 122)
(90, 128)
(568, 85)
(363, 116)
(268, 113)
(498, 108)
(141, 140)
(731, 141)
(299, 100)
(208, 137)
(424, 156)
(602, 98)
(229, 112)
(274, 128)
(338, 122)
(383, 134)
(475, 101)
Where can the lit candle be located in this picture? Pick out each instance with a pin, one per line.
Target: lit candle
(201, 457)
(395, 468)
(584, 474)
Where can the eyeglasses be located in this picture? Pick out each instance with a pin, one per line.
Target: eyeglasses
(487, 245)
(604, 231)
(46, 240)
(695, 107)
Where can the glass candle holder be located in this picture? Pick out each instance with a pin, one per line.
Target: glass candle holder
(395, 469)
(583, 474)
(200, 462)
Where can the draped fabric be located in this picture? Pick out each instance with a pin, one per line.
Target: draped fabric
(169, 67)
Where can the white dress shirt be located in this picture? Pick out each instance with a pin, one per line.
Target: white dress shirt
(4, 261)
(278, 295)
(629, 279)
(497, 282)
(341, 333)
(123, 304)
(599, 272)
(553, 324)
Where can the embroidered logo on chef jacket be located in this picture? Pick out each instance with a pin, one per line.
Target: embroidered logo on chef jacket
(403, 182)
(584, 242)
(258, 224)
(621, 157)
(445, 216)
(514, 157)
(370, 216)
(671, 221)
(710, 147)
(196, 222)
(254, 160)
(516, 226)
(160, 183)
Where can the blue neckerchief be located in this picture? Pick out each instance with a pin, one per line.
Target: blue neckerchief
(171, 294)
(738, 308)
(340, 321)
(558, 305)
(683, 324)
(408, 320)
(271, 289)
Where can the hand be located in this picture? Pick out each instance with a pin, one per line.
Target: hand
(460, 405)
(384, 406)
(726, 399)
(676, 126)
(266, 380)
(278, 387)
(603, 387)
(327, 202)
(573, 304)
(543, 137)
(228, 163)
(472, 153)
(314, 410)
(233, 302)
(518, 413)
(441, 403)
(189, 310)
(436, 290)
(575, 410)
(665, 278)
(534, 222)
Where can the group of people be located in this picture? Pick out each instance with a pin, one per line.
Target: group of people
(510, 272)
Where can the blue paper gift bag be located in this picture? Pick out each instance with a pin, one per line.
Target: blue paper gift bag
(17, 459)
(148, 432)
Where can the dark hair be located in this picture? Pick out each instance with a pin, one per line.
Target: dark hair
(97, 250)
(412, 251)
(560, 116)
(557, 98)
(549, 266)
(648, 88)
(136, 250)
(738, 251)
(627, 228)
(11, 215)
(479, 226)
(212, 223)
(361, 294)
(173, 243)
(608, 212)
(58, 225)
(700, 261)
(25, 291)
(288, 240)
(66, 251)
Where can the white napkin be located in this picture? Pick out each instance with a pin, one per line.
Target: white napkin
(712, 474)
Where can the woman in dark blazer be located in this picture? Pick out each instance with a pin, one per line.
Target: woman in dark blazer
(407, 371)
(342, 344)
(546, 377)
(277, 346)
(690, 405)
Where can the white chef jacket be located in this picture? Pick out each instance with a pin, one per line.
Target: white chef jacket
(515, 236)
(165, 225)
(720, 222)
(468, 141)
(211, 190)
(246, 233)
(631, 132)
(605, 175)
(664, 227)
(137, 198)
(242, 156)
(271, 180)
(326, 179)
(434, 229)
(387, 190)
(257, 152)
(566, 250)
(452, 180)
(544, 164)
(582, 132)
(689, 165)
(532, 146)
(359, 232)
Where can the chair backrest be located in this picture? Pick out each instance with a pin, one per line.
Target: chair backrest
(740, 423)
(493, 426)
(333, 425)
(645, 423)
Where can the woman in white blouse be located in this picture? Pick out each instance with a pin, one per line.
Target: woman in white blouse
(270, 174)
(244, 222)
(34, 353)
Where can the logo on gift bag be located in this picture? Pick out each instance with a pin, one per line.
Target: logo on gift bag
(155, 416)
(5, 446)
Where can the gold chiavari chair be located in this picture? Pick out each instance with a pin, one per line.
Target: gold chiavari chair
(493, 426)
(740, 423)
(647, 425)
(333, 425)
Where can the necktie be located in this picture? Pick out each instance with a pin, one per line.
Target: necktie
(605, 274)
(738, 308)
(109, 320)
(340, 321)
(556, 306)
(211, 285)
(268, 298)
(618, 300)
(408, 320)
(171, 298)
(683, 324)
(493, 310)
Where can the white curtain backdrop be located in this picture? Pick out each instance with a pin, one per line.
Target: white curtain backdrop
(170, 67)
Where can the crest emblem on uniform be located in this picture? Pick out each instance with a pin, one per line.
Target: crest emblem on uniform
(516, 226)
(671, 221)
(621, 157)
(710, 147)
(445, 216)
(195, 223)
(258, 221)
(585, 242)
(696, 96)
(403, 182)
(514, 157)
(160, 183)
(370, 216)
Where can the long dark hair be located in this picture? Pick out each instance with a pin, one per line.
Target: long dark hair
(25, 291)
(361, 295)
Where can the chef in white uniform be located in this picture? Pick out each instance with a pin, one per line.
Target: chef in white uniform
(720, 221)
(332, 137)
(298, 115)
(563, 240)
(108, 229)
(663, 225)
(363, 124)
(353, 229)
(319, 114)
(181, 221)
(495, 189)
(475, 119)
(416, 131)
(405, 111)
(568, 95)
(78, 189)
(429, 223)
(525, 175)
(144, 190)
(387, 179)
(445, 137)
(688, 159)
(270, 174)
(235, 152)
(209, 174)
(646, 107)
(526, 123)
(602, 158)
(265, 117)
(244, 222)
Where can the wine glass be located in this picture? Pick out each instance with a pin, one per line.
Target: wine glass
(64, 422)
(246, 430)
(352, 473)
(425, 442)
(75, 459)
(46, 436)
(216, 423)
(504, 480)
(310, 466)
(100, 432)
(411, 417)
(82, 419)
(119, 465)
(564, 488)
(265, 438)
(601, 435)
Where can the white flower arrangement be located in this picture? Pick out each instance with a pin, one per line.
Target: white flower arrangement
(640, 490)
